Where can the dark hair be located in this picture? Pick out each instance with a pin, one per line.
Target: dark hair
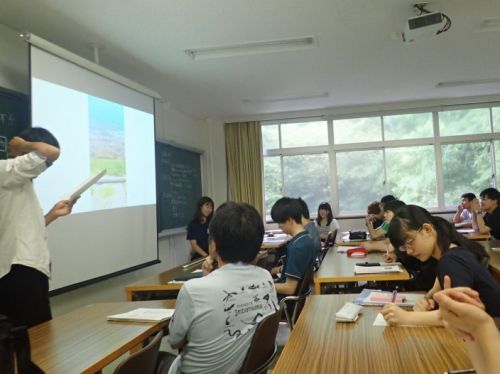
(286, 208)
(198, 216)
(39, 134)
(373, 208)
(491, 193)
(304, 208)
(412, 217)
(238, 231)
(329, 217)
(393, 205)
(469, 196)
(387, 198)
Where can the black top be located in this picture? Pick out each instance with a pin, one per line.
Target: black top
(492, 220)
(199, 232)
(462, 266)
(423, 274)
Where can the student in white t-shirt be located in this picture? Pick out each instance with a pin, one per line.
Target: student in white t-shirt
(216, 315)
(464, 209)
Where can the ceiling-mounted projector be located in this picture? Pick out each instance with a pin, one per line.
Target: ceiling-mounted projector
(423, 26)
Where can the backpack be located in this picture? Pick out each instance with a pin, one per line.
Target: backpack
(15, 351)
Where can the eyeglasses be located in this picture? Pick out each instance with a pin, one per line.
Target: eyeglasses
(408, 242)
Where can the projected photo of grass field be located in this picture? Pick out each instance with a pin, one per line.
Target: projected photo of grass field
(107, 151)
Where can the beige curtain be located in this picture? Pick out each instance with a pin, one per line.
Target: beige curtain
(244, 163)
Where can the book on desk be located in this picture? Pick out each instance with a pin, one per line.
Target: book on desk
(143, 315)
(380, 269)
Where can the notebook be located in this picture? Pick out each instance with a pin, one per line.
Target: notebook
(187, 276)
(377, 269)
(143, 315)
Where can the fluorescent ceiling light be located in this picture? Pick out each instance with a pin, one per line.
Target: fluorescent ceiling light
(254, 48)
(489, 24)
(467, 82)
(287, 98)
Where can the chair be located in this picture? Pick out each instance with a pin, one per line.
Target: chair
(298, 300)
(263, 347)
(143, 361)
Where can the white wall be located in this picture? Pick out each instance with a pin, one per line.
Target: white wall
(14, 61)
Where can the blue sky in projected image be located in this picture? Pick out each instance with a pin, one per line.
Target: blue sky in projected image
(105, 114)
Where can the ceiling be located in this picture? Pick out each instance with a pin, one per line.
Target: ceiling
(356, 61)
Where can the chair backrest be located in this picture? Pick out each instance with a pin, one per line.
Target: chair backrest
(263, 346)
(329, 243)
(142, 361)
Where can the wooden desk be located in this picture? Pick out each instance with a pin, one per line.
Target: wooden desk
(84, 342)
(319, 345)
(338, 268)
(160, 282)
(477, 236)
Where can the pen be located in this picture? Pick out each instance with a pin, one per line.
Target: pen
(460, 371)
(394, 294)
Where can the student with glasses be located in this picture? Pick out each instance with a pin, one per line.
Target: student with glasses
(423, 236)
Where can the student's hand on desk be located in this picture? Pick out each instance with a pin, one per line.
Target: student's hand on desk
(394, 315)
(424, 305)
(391, 257)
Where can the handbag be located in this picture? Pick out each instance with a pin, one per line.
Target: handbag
(357, 235)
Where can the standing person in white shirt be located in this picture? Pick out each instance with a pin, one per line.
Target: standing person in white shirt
(464, 210)
(215, 316)
(24, 254)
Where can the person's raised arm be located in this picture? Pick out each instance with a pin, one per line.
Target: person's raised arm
(20, 146)
(477, 218)
(457, 218)
(61, 208)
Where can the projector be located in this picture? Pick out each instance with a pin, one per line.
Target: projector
(423, 26)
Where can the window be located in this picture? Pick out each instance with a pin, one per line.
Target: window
(411, 174)
(408, 126)
(272, 182)
(307, 176)
(304, 134)
(464, 122)
(357, 130)
(360, 179)
(383, 153)
(466, 168)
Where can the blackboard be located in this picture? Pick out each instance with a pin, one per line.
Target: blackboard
(14, 117)
(178, 175)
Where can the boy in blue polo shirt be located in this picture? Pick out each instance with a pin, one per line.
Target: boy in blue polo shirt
(300, 254)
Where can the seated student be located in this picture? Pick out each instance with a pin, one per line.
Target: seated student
(375, 214)
(462, 314)
(197, 231)
(464, 210)
(325, 223)
(384, 245)
(310, 226)
(300, 254)
(490, 223)
(381, 231)
(423, 274)
(423, 236)
(215, 317)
